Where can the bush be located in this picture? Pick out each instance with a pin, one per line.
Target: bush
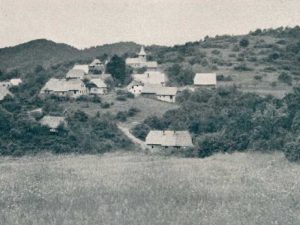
(285, 78)
(140, 131)
(292, 151)
(244, 42)
(133, 111)
(258, 77)
(242, 67)
(121, 98)
(105, 105)
(221, 77)
(121, 116)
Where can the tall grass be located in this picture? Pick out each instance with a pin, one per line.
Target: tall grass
(131, 188)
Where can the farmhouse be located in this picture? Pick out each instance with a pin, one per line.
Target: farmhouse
(141, 61)
(205, 79)
(96, 67)
(75, 74)
(15, 81)
(97, 87)
(168, 138)
(53, 122)
(167, 94)
(83, 67)
(62, 87)
(151, 77)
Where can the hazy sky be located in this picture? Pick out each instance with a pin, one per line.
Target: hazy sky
(85, 23)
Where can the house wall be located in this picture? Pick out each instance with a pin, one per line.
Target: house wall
(136, 89)
(166, 98)
(98, 91)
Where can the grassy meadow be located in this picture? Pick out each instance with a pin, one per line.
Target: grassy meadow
(134, 188)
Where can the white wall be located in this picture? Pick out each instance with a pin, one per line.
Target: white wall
(166, 98)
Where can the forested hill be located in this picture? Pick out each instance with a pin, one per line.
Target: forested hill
(259, 57)
(27, 56)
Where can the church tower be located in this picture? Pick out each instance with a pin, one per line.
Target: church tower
(142, 55)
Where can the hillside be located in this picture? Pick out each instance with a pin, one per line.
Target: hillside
(253, 61)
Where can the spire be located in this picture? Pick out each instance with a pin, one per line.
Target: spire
(142, 52)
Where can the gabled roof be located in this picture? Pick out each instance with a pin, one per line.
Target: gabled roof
(205, 79)
(4, 92)
(63, 85)
(151, 88)
(169, 138)
(167, 91)
(52, 122)
(96, 62)
(75, 73)
(149, 64)
(151, 77)
(99, 83)
(83, 67)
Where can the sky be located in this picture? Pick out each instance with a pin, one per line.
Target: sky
(86, 23)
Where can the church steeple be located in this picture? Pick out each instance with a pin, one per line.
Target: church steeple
(142, 55)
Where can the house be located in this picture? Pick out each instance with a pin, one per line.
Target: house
(97, 87)
(6, 84)
(63, 87)
(168, 138)
(167, 94)
(141, 61)
(83, 67)
(103, 76)
(53, 122)
(96, 67)
(4, 92)
(75, 74)
(151, 77)
(15, 81)
(135, 87)
(205, 79)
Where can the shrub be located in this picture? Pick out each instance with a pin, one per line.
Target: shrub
(285, 78)
(140, 131)
(133, 111)
(221, 77)
(244, 42)
(121, 116)
(242, 67)
(121, 98)
(258, 77)
(105, 105)
(292, 151)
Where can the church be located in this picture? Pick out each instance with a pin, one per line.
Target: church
(141, 61)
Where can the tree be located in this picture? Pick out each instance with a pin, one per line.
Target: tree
(117, 68)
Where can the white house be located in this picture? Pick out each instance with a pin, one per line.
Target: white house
(83, 67)
(15, 81)
(205, 79)
(167, 94)
(141, 61)
(168, 138)
(75, 74)
(53, 122)
(98, 87)
(150, 89)
(151, 77)
(62, 87)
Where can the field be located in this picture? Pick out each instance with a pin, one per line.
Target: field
(134, 188)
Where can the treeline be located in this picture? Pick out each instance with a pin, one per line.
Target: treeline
(228, 120)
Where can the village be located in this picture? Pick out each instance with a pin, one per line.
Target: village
(91, 80)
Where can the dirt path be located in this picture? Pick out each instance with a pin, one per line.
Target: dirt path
(135, 140)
